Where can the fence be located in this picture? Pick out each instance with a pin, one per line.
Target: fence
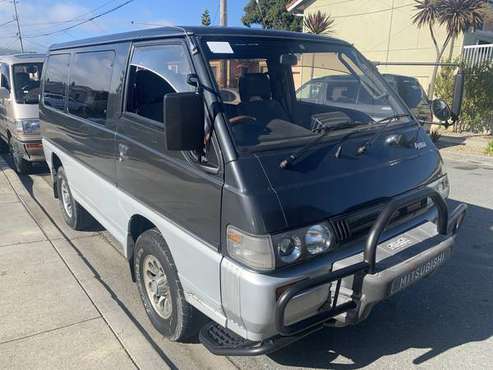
(477, 54)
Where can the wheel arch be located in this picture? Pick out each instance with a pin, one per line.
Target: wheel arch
(136, 226)
(55, 164)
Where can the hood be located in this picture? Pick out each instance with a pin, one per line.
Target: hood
(321, 186)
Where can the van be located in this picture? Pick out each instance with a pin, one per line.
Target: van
(275, 216)
(20, 77)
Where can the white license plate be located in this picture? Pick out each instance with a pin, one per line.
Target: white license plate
(403, 281)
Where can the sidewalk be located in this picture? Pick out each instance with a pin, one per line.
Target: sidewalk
(47, 319)
(66, 297)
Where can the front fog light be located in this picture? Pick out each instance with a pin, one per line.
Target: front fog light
(289, 249)
(318, 239)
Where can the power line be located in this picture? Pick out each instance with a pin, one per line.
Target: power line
(82, 22)
(373, 12)
(72, 19)
(4, 24)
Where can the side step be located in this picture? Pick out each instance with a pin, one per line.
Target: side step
(223, 342)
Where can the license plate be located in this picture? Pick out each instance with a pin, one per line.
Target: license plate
(419, 272)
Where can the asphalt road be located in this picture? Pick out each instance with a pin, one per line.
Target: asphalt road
(444, 321)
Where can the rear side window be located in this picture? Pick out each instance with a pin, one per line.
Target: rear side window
(56, 81)
(155, 71)
(90, 79)
(4, 76)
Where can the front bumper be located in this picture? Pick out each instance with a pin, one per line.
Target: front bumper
(348, 290)
(30, 149)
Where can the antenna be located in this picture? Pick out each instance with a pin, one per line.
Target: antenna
(19, 33)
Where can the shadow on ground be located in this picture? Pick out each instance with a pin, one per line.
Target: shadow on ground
(450, 308)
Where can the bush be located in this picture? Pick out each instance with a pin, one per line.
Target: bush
(489, 148)
(477, 107)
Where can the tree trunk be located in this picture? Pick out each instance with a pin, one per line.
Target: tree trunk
(431, 88)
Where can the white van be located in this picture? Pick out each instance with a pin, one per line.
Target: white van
(19, 118)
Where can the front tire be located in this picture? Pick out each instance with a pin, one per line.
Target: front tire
(21, 166)
(160, 288)
(74, 214)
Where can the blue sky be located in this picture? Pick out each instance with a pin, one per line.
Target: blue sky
(40, 17)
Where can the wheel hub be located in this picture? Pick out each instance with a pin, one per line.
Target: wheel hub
(157, 287)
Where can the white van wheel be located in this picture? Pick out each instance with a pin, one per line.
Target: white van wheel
(160, 288)
(21, 166)
(74, 214)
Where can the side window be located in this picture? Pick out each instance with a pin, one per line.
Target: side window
(4, 76)
(90, 79)
(56, 81)
(154, 72)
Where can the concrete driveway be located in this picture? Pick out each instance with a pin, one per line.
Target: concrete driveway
(444, 321)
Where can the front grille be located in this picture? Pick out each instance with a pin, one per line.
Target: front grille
(357, 224)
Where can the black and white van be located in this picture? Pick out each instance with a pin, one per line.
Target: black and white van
(273, 215)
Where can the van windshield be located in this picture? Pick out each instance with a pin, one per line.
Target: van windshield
(278, 91)
(26, 82)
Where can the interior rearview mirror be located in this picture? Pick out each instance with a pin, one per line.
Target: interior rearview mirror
(184, 121)
(441, 110)
(458, 95)
(288, 59)
(4, 93)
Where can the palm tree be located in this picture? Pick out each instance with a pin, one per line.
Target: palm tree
(456, 16)
(319, 23)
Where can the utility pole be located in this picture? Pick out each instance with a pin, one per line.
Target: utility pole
(19, 33)
(223, 9)
(223, 21)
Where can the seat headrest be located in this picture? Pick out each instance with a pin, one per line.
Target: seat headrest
(22, 78)
(254, 85)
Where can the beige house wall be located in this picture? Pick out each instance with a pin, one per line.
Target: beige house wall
(383, 34)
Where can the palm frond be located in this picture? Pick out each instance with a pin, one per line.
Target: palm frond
(319, 23)
(427, 12)
(460, 15)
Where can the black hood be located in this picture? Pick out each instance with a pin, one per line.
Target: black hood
(321, 186)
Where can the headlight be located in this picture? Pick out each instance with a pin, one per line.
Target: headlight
(265, 253)
(442, 186)
(27, 126)
(289, 249)
(251, 250)
(318, 239)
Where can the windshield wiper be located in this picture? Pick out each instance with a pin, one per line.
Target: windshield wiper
(364, 148)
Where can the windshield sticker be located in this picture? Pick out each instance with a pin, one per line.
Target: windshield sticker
(220, 47)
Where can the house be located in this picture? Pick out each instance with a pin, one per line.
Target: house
(384, 32)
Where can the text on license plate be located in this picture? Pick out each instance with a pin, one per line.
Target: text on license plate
(421, 271)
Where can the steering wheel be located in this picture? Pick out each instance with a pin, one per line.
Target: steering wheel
(242, 120)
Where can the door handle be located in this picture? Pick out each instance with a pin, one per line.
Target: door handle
(122, 150)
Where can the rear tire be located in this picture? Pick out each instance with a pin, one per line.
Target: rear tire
(4, 147)
(74, 214)
(160, 288)
(21, 166)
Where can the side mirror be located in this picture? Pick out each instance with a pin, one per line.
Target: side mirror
(458, 95)
(4, 93)
(184, 121)
(441, 110)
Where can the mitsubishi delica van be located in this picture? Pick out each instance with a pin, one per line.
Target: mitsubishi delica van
(272, 214)
(20, 77)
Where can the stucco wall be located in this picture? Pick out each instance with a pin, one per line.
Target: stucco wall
(385, 35)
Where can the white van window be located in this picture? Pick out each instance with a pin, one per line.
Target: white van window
(154, 72)
(90, 79)
(4, 76)
(56, 81)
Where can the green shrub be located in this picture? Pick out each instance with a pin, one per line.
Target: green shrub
(489, 148)
(477, 107)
